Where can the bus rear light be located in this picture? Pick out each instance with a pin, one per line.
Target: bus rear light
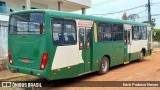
(44, 61)
(9, 57)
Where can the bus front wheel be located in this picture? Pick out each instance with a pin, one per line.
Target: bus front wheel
(104, 66)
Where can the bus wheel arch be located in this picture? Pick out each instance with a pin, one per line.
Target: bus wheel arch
(108, 59)
(144, 51)
(104, 65)
(142, 54)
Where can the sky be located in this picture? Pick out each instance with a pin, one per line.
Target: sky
(108, 6)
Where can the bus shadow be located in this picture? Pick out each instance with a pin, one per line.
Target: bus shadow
(130, 63)
(71, 82)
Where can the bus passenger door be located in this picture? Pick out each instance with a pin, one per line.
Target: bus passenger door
(127, 44)
(84, 48)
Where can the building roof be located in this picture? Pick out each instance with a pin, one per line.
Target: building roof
(68, 5)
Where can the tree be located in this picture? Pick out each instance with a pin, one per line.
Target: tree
(124, 17)
(132, 17)
(156, 38)
(152, 23)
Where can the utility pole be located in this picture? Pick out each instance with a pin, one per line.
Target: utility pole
(149, 11)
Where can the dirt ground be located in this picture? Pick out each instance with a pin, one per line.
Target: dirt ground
(148, 70)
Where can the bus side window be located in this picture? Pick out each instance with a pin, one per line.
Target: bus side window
(64, 32)
(57, 27)
(117, 32)
(107, 35)
(70, 32)
(137, 33)
(100, 34)
(144, 33)
(104, 32)
(140, 32)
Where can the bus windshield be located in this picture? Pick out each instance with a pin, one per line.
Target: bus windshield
(26, 23)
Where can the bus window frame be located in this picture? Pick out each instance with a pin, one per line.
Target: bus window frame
(28, 26)
(133, 32)
(146, 37)
(52, 20)
(107, 23)
(111, 25)
(139, 27)
(122, 32)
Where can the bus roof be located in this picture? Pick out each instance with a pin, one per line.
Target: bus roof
(62, 14)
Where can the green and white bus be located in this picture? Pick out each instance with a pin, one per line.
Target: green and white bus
(57, 45)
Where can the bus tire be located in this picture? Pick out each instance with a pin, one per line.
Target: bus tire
(141, 56)
(104, 66)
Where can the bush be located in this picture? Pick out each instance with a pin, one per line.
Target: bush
(156, 37)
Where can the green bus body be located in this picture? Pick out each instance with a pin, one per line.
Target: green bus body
(33, 46)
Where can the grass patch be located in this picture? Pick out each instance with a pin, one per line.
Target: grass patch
(156, 46)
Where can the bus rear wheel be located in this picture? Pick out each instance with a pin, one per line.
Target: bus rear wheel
(141, 56)
(104, 66)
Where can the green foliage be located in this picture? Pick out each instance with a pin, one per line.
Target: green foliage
(124, 17)
(133, 17)
(152, 23)
(156, 35)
